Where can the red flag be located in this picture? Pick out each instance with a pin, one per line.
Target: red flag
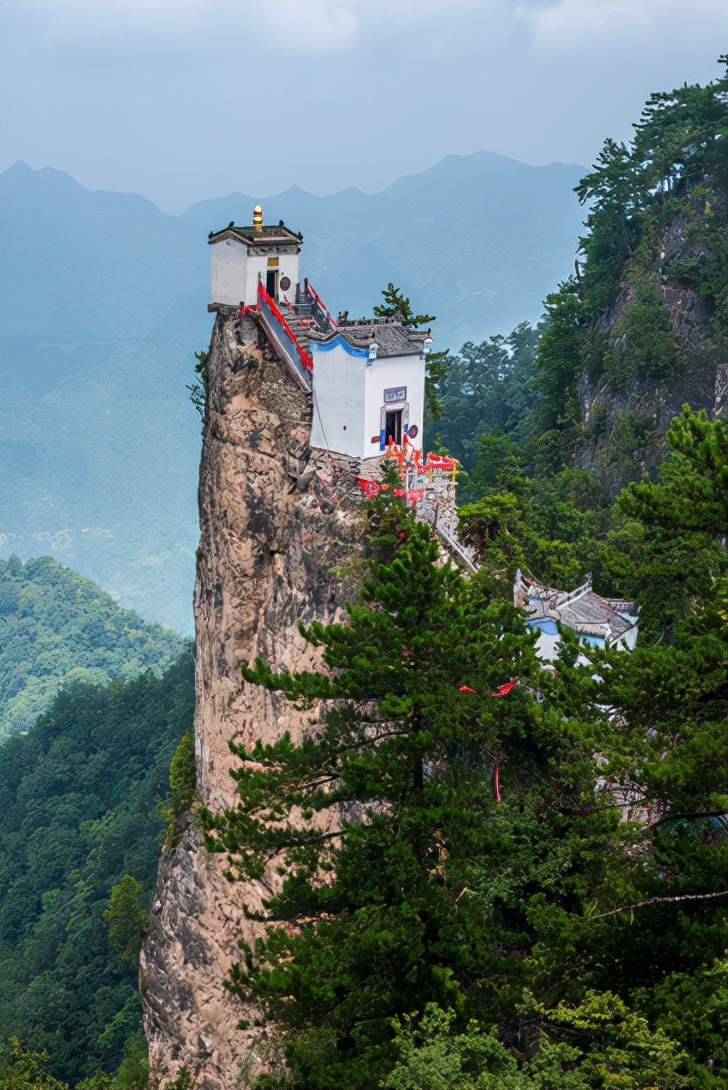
(439, 461)
(369, 488)
(504, 689)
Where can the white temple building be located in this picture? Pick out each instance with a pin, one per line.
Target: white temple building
(367, 382)
(604, 621)
(367, 377)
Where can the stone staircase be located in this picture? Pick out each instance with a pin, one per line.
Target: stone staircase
(300, 326)
(289, 327)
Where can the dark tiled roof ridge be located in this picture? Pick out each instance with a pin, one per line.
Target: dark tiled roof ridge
(267, 233)
(390, 319)
(392, 337)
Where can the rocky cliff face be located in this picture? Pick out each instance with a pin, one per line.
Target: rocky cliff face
(625, 415)
(277, 527)
(624, 429)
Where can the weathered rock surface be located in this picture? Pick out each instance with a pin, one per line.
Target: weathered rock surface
(700, 379)
(277, 527)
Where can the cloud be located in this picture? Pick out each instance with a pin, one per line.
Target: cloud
(285, 27)
(314, 26)
(568, 25)
(281, 26)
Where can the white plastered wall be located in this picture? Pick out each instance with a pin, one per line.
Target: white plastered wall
(258, 265)
(228, 260)
(348, 397)
(234, 272)
(338, 402)
(385, 374)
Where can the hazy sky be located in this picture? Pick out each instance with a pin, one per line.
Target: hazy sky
(185, 99)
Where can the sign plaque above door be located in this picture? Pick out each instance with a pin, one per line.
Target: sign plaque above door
(395, 394)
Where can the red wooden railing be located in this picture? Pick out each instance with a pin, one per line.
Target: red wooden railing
(267, 301)
(310, 290)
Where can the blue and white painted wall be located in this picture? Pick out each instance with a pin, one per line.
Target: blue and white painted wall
(353, 392)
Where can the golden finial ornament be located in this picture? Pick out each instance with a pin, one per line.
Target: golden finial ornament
(257, 218)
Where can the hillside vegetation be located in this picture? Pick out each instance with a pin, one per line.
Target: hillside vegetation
(521, 884)
(551, 422)
(80, 828)
(57, 627)
(513, 912)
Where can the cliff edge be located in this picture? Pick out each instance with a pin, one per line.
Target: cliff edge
(277, 523)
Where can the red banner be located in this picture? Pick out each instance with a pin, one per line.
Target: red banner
(369, 488)
(439, 461)
(504, 689)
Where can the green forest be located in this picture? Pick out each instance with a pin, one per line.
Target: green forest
(464, 904)
(484, 916)
(57, 627)
(484, 885)
(82, 817)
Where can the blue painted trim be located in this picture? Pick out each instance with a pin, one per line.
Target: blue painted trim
(360, 353)
(382, 439)
(546, 624)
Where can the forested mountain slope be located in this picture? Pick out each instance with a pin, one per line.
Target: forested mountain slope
(640, 329)
(643, 327)
(57, 627)
(551, 422)
(515, 911)
(80, 816)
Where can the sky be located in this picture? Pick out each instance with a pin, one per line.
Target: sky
(183, 100)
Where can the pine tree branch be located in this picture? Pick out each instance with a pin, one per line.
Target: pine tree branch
(662, 900)
(686, 817)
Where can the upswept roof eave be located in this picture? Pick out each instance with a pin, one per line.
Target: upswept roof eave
(325, 342)
(278, 234)
(393, 338)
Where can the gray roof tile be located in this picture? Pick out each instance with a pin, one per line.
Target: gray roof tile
(392, 338)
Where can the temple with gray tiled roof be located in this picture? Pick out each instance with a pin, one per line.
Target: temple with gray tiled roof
(366, 376)
(243, 257)
(601, 620)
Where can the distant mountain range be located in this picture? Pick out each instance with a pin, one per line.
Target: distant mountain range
(105, 303)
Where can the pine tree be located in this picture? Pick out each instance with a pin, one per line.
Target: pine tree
(413, 822)
(436, 363)
(658, 718)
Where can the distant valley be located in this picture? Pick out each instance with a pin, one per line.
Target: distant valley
(105, 304)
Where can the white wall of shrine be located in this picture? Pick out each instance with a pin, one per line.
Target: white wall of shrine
(235, 269)
(352, 393)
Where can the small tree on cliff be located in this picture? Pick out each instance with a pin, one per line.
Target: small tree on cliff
(406, 862)
(436, 363)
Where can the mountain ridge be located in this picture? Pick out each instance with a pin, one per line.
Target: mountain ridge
(476, 158)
